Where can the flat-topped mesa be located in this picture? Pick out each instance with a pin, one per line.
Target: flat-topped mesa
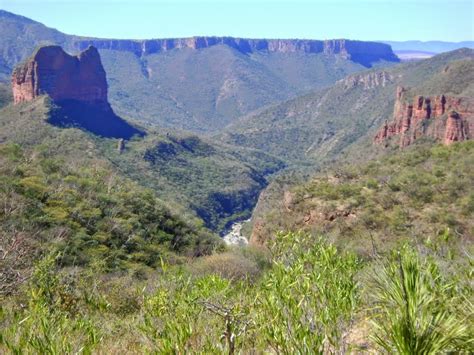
(442, 117)
(360, 51)
(53, 72)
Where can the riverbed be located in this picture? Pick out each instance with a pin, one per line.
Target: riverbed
(235, 237)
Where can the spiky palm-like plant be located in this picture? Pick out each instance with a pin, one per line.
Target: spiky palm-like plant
(417, 311)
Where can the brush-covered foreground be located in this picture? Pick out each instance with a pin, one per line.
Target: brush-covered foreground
(307, 297)
(92, 263)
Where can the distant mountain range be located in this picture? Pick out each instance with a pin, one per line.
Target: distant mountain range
(202, 83)
(428, 46)
(322, 124)
(264, 105)
(416, 50)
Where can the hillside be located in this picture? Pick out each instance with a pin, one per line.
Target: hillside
(422, 194)
(219, 183)
(123, 165)
(5, 94)
(318, 126)
(60, 193)
(202, 83)
(404, 241)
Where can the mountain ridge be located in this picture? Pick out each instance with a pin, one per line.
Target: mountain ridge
(324, 123)
(363, 52)
(165, 88)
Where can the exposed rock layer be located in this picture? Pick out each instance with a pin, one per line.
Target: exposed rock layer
(445, 118)
(53, 72)
(368, 81)
(359, 51)
(77, 85)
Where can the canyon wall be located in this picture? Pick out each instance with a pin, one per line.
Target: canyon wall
(445, 118)
(359, 51)
(53, 72)
(78, 87)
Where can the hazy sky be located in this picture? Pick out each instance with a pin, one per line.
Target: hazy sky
(448, 20)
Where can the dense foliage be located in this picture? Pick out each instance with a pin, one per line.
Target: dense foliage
(419, 195)
(311, 298)
(419, 310)
(89, 214)
(219, 183)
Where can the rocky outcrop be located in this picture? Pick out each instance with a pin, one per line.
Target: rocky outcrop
(456, 129)
(443, 117)
(368, 81)
(358, 51)
(78, 87)
(61, 76)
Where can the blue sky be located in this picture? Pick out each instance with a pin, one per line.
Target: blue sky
(448, 20)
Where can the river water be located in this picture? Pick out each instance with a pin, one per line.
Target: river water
(234, 236)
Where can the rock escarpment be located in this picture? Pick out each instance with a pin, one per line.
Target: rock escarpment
(442, 117)
(368, 81)
(76, 84)
(61, 76)
(358, 51)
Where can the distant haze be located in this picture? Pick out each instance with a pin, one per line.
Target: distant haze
(429, 46)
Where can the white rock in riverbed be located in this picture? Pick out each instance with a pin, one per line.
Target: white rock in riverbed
(235, 237)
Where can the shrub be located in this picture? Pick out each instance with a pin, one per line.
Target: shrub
(229, 265)
(308, 298)
(417, 310)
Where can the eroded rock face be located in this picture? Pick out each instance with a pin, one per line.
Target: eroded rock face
(445, 118)
(457, 129)
(368, 81)
(53, 72)
(358, 51)
(77, 85)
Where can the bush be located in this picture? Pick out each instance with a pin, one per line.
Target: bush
(417, 310)
(229, 265)
(308, 298)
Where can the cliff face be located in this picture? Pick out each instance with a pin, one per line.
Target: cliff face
(359, 51)
(368, 81)
(53, 72)
(445, 118)
(78, 86)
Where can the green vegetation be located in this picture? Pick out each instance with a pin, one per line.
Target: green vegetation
(423, 195)
(111, 251)
(219, 183)
(308, 298)
(96, 263)
(88, 213)
(323, 125)
(421, 312)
